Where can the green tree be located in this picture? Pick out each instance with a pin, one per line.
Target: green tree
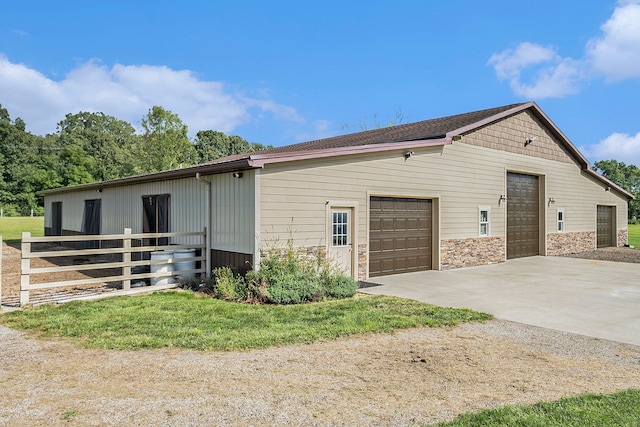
(106, 141)
(21, 160)
(627, 177)
(211, 145)
(164, 144)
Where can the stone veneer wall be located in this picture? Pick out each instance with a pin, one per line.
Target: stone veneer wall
(623, 236)
(362, 262)
(570, 242)
(456, 253)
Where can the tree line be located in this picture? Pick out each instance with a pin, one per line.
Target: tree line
(627, 177)
(90, 147)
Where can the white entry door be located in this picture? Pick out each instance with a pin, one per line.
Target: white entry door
(341, 247)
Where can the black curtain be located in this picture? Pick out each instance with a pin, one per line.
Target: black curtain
(56, 219)
(91, 221)
(155, 217)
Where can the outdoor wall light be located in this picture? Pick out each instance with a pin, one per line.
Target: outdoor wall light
(237, 174)
(408, 154)
(551, 201)
(503, 198)
(529, 140)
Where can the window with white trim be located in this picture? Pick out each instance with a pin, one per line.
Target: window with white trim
(340, 225)
(484, 219)
(560, 221)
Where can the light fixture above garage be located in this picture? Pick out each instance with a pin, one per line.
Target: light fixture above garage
(529, 140)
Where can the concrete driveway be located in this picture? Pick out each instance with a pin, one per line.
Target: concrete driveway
(595, 298)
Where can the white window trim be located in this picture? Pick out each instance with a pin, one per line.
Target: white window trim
(563, 221)
(342, 233)
(488, 222)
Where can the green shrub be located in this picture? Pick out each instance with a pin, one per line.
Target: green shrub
(256, 284)
(285, 277)
(340, 286)
(294, 288)
(229, 286)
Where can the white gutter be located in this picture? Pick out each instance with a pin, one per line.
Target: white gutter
(209, 230)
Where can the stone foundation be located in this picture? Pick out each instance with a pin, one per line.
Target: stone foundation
(570, 242)
(623, 237)
(456, 253)
(362, 262)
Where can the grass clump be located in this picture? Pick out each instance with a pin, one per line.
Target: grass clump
(185, 320)
(618, 409)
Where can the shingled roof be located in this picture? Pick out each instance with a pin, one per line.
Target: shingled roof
(434, 132)
(423, 130)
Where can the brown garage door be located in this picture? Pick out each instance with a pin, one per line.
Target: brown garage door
(605, 226)
(523, 215)
(399, 235)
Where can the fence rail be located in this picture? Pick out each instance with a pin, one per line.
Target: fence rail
(123, 251)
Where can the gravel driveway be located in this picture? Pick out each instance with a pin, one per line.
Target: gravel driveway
(412, 377)
(409, 378)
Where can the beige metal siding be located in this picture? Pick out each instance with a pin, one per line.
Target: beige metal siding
(462, 176)
(122, 206)
(72, 208)
(232, 210)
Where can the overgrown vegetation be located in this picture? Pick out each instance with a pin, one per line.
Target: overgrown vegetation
(634, 235)
(614, 410)
(11, 228)
(185, 320)
(286, 276)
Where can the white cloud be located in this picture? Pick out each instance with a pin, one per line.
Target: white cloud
(556, 76)
(616, 54)
(619, 146)
(127, 92)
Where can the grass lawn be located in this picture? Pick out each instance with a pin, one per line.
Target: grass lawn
(634, 235)
(11, 228)
(185, 320)
(618, 409)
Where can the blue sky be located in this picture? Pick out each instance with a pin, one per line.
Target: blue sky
(282, 72)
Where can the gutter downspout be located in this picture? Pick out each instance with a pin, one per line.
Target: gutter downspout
(208, 219)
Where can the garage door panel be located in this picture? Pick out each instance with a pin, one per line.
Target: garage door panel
(523, 215)
(412, 243)
(399, 235)
(605, 226)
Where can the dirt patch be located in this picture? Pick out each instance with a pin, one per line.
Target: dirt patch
(408, 378)
(11, 276)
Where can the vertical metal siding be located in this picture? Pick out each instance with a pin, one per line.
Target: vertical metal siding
(122, 206)
(232, 212)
